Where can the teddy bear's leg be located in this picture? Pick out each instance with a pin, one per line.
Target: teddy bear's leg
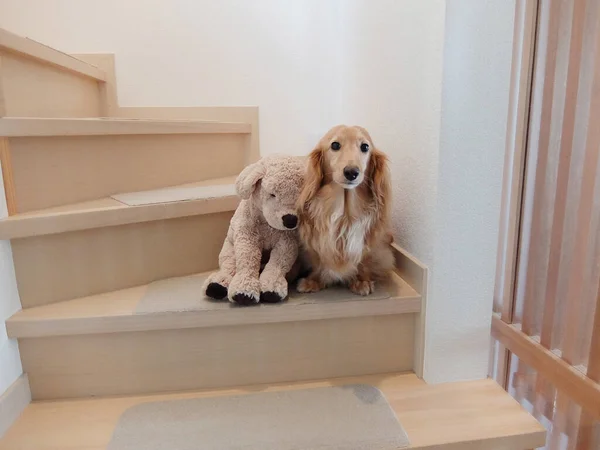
(244, 288)
(273, 282)
(218, 282)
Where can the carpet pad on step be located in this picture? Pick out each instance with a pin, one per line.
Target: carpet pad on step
(185, 294)
(353, 417)
(175, 194)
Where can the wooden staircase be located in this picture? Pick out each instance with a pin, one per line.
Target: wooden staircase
(104, 201)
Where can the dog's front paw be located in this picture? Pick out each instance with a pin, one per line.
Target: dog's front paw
(307, 285)
(273, 289)
(362, 287)
(244, 290)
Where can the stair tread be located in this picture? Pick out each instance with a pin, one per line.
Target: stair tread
(97, 126)
(447, 416)
(117, 312)
(109, 212)
(33, 49)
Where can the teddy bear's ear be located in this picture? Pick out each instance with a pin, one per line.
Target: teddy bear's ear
(246, 181)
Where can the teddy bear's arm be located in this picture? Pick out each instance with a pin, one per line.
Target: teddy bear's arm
(273, 284)
(244, 288)
(284, 254)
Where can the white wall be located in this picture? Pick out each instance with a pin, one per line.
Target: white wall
(393, 66)
(10, 362)
(280, 55)
(428, 78)
(475, 92)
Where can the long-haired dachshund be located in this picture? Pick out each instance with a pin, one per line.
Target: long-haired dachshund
(345, 213)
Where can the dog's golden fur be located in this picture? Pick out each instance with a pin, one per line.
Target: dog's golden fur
(345, 225)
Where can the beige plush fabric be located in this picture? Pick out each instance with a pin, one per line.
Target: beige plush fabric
(266, 219)
(353, 417)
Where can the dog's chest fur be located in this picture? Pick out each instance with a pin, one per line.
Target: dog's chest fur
(339, 237)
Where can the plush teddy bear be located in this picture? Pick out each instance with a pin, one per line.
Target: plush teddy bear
(265, 221)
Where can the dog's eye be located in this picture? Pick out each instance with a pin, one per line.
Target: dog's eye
(335, 146)
(273, 195)
(364, 148)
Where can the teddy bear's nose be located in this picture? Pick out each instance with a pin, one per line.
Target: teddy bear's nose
(290, 221)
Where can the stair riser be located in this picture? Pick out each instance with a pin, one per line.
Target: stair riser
(81, 168)
(31, 88)
(173, 360)
(64, 266)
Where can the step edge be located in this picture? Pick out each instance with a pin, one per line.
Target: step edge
(407, 386)
(123, 323)
(15, 127)
(16, 227)
(13, 402)
(30, 48)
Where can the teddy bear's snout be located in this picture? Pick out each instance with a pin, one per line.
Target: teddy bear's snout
(290, 221)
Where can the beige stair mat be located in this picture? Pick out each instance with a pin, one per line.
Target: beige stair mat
(185, 294)
(352, 417)
(175, 194)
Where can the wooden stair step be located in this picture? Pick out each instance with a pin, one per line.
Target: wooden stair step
(115, 312)
(56, 162)
(37, 126)
(32, 49)
(474, 415)
(110, 212)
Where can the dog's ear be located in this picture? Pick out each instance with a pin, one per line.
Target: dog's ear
(314, 178)
(378, 178)
(246, 181)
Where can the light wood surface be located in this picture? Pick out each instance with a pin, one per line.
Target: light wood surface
(561, 374)
(76, 169)
(116, 312)
(70, 265)
(32, 89)
(110, 212)
(514, 157)
(245, 114)
(416, 274)
(2, 95)
(198, 358)
(534, 233)
(524, 35)
(13, 402)
(35, 126)
(594, 357)
(7, 177)
(42, 53)
(411, 269)
(474, 415)
(109, 104)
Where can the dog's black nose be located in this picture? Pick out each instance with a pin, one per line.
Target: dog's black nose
(290, 221)
(351, 173)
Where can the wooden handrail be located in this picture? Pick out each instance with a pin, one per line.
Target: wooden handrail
(565, 377)
(32, 49)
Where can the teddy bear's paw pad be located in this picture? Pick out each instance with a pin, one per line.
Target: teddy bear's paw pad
(306, 285)
(270, 297)
(244, 299)
(216, 291)
(362, 287)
